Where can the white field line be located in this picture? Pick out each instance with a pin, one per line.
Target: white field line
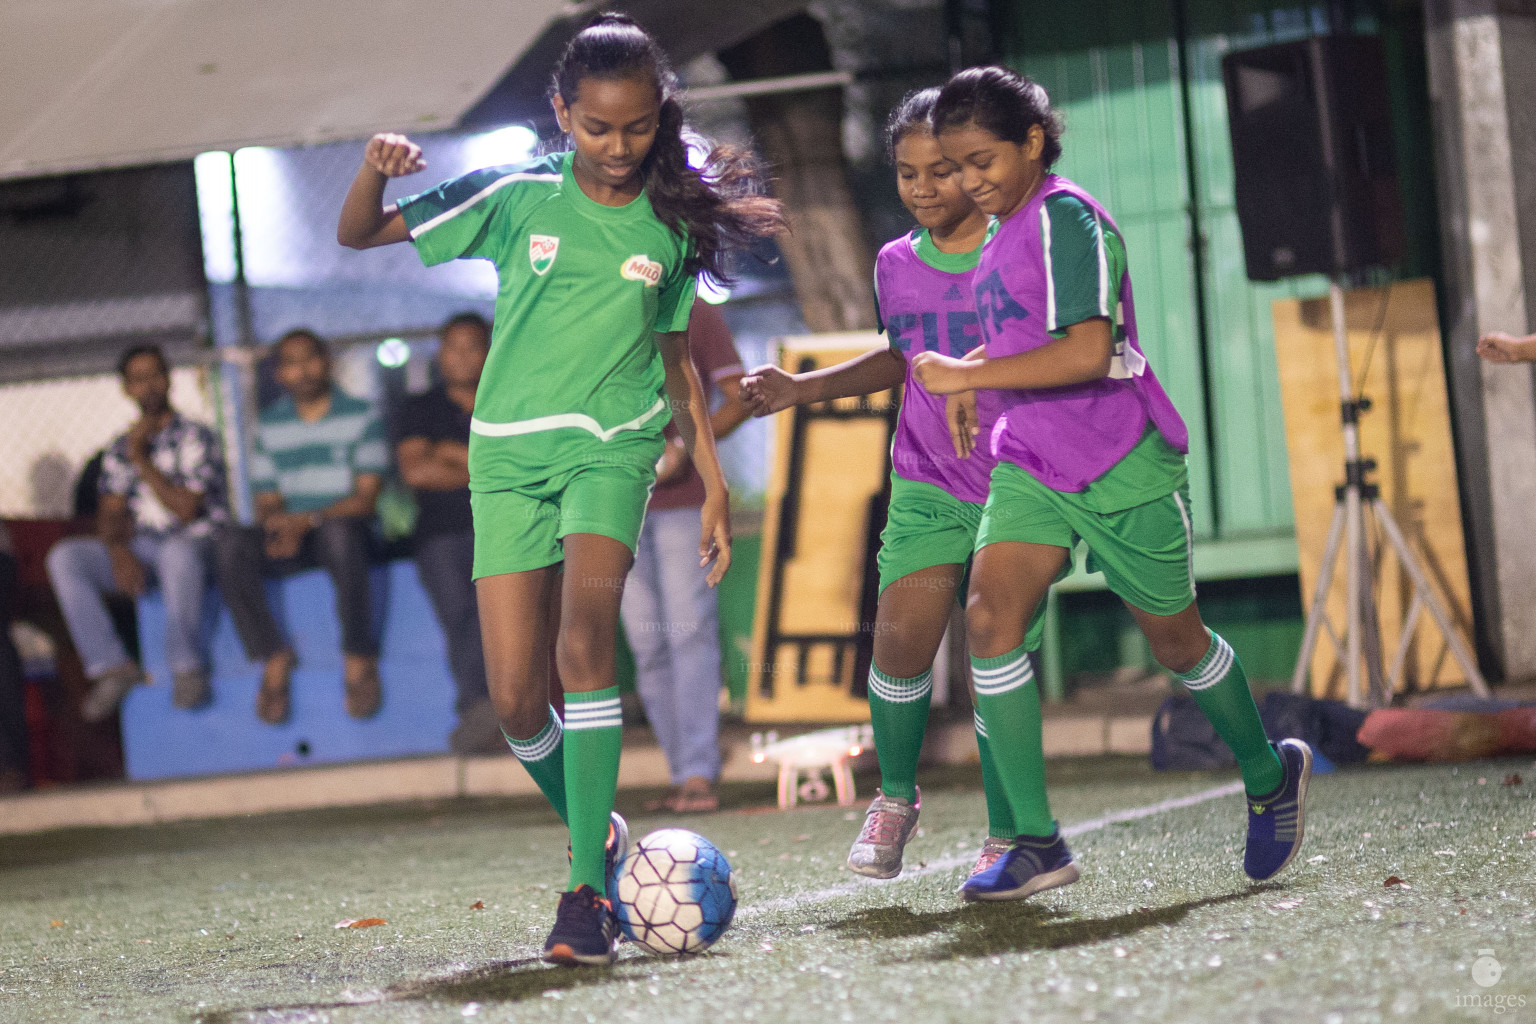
(412, 988)
(951, 862)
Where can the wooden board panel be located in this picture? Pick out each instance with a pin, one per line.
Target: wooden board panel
(1407, 432)
(842, 470)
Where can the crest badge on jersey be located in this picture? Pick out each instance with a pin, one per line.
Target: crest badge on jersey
(641, 268)
(541, 252)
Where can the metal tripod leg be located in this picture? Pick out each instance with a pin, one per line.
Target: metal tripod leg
(1423, 592)
(1317, 614)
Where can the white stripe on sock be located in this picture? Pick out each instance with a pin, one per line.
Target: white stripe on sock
(1216, 670)
(596, 707)
(903, 692)
(593, 714)
(540, 746)
(981, 727)
(595, 723)
(991, 682)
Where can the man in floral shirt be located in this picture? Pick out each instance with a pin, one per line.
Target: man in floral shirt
(162, 490)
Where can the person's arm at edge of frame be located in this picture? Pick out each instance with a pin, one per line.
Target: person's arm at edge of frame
(1506, 348)
(691, 414)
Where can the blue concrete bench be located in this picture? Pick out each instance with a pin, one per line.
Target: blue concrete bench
(160, 741)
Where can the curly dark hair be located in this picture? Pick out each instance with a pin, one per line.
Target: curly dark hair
(469, 318)
(1005, 103)
(721, 206)
(130, 354)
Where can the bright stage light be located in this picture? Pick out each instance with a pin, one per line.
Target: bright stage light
(216, 212)
(393, 353)
(712, 291)
(509, 145)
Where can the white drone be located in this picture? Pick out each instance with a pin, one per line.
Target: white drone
(813, 753)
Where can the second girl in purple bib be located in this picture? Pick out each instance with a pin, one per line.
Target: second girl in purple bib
(1088, 448)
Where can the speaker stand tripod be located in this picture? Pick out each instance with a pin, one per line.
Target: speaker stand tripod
(1353, 500)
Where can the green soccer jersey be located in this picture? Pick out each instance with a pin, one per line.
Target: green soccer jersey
(574, 372)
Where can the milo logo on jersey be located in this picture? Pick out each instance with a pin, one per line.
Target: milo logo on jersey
(641, 268)
(541, 252)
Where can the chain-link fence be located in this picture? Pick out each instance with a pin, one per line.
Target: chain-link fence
(52, 427)
(90, 263)
(217, 259)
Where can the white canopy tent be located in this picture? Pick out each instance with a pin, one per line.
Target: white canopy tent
(92, 84)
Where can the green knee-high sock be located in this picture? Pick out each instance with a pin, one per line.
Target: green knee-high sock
(999, 814)
(544, 757)
(898, 710)
(592, 737)
(1221, 690)
(1009, 704)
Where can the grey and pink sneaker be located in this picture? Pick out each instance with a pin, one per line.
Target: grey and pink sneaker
(991, 849)
(888, 824)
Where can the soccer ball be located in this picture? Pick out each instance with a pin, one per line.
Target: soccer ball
(675, 893)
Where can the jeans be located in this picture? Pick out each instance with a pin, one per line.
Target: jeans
(81, 572)
(673, 625)
(340, 546)
(445, 563)
(13, 718)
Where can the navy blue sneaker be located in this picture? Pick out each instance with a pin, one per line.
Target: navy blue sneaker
(586, 933)
(1275, 822)
(1029, 866)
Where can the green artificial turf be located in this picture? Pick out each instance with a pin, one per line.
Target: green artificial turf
(232, 921)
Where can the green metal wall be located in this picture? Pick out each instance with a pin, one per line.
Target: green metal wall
(1139, 85)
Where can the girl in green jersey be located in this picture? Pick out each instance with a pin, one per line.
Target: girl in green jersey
(597, 251)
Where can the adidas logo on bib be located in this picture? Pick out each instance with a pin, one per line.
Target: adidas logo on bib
(641, 268)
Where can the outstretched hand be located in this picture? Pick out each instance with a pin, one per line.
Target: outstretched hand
(715, 536)
(1506, 348)
(767, 390)
(964, 426)
(393, 156)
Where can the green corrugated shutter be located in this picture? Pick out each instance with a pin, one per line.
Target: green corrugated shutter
(1125, 144)
(1111, 67)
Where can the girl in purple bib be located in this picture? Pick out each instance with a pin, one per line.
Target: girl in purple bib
(925, 302)
(1088, 447)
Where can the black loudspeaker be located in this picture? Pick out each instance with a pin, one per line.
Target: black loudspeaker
(1315, 179)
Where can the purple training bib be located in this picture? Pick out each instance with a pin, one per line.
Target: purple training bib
(926, 309)
(1064, 437)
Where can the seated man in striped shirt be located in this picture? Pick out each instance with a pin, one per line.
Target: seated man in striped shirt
(316, 470)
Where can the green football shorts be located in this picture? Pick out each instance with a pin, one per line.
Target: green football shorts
(927, 526)
(1145, 552)
(521, 529)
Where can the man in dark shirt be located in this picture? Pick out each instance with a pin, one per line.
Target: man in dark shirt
(433, 454)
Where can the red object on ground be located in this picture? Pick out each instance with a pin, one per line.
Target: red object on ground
(1418, 734)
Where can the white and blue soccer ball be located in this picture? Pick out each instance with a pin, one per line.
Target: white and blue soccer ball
(675, 893)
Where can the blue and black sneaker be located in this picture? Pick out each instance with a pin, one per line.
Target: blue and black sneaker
(586, 933)
(1032, 864)
(1275, 822)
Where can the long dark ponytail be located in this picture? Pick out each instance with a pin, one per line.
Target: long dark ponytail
(721, 206)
